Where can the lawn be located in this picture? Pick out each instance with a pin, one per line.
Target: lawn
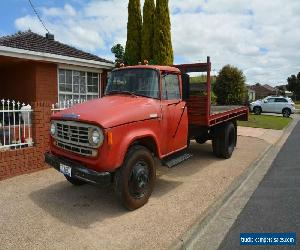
(266, 121)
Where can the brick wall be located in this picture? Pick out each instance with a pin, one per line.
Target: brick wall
(46, 82)
(26, 160)
(29, 81)
(17, 81)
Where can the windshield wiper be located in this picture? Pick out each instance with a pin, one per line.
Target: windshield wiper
(120, 92)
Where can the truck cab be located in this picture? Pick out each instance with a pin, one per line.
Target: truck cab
(115, 139)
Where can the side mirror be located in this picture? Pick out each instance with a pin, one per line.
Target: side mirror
(265, 101)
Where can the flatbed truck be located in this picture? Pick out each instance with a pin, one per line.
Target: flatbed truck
(148, 112)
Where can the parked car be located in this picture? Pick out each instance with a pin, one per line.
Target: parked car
(273, 104)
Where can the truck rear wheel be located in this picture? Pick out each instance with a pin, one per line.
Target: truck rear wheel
(134, 181)
(224, 140)
(201, 139)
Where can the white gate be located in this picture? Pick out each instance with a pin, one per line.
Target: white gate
(15, 125)
(65, 105)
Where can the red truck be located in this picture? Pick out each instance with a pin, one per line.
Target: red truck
(147, 112)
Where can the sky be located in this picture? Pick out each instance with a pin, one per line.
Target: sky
(262, 38)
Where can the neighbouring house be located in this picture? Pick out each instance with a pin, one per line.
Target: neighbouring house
(35, 73)
(261, 91)
(251, 93)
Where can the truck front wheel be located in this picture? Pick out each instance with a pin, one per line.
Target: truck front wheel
(224, 140)
(134, 181)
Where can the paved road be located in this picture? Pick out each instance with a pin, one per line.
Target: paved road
(275, 205)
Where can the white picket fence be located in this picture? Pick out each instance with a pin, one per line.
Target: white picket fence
(15, 125)
(59, 106)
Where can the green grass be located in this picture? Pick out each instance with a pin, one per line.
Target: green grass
(201, 79)
(266, 121)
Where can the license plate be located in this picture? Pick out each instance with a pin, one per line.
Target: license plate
(66, 170)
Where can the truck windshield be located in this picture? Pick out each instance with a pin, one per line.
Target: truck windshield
(141, 82)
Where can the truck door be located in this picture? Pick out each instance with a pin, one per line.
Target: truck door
(174, 127)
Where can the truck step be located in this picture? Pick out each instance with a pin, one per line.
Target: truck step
(172, 161)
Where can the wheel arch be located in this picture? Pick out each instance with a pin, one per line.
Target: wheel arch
(257, 106)
(288, 108)
(146, 140)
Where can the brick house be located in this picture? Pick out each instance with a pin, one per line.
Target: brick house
(37, 68)
(262, 91)
(39, 71)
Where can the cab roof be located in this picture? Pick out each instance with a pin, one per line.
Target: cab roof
(156, 67)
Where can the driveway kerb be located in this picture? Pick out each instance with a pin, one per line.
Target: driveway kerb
(212, 226)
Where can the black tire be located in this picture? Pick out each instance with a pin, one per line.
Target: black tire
(74, 181)
(224, 140)
(188, 143)
(134, 181)
(216, 142)
(235, 127)
(201, 139)
(286, 112)
(257, 110)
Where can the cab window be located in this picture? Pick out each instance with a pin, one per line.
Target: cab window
(170, 87)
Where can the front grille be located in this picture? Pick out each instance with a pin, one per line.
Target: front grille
(73, 133)
(74, 137)
(76, 149)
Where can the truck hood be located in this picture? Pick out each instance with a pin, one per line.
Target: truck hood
(114, 110)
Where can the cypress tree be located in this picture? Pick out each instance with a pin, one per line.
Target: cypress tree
(134, 30)
(148, 30)
(162, 44)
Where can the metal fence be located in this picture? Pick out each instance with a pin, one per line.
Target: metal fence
(65, 104)
(15, 125)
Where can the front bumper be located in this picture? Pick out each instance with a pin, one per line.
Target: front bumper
(79, 171)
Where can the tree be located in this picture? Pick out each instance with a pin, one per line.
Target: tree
(162, 42)
(294, 85)
(230, 86)
(281, 90)
(148, 30)
(118, 50)
(134, 32)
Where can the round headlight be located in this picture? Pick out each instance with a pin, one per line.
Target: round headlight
(53, 129)
(96, 137)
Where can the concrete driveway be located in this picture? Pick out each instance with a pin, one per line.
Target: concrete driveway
(43, 211)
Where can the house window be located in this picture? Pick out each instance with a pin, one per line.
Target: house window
(74, 85)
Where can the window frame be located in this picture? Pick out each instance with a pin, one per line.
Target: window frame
(159, 79)
(163, 74)
(72, 93)
(281, 100)
(271, 98)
